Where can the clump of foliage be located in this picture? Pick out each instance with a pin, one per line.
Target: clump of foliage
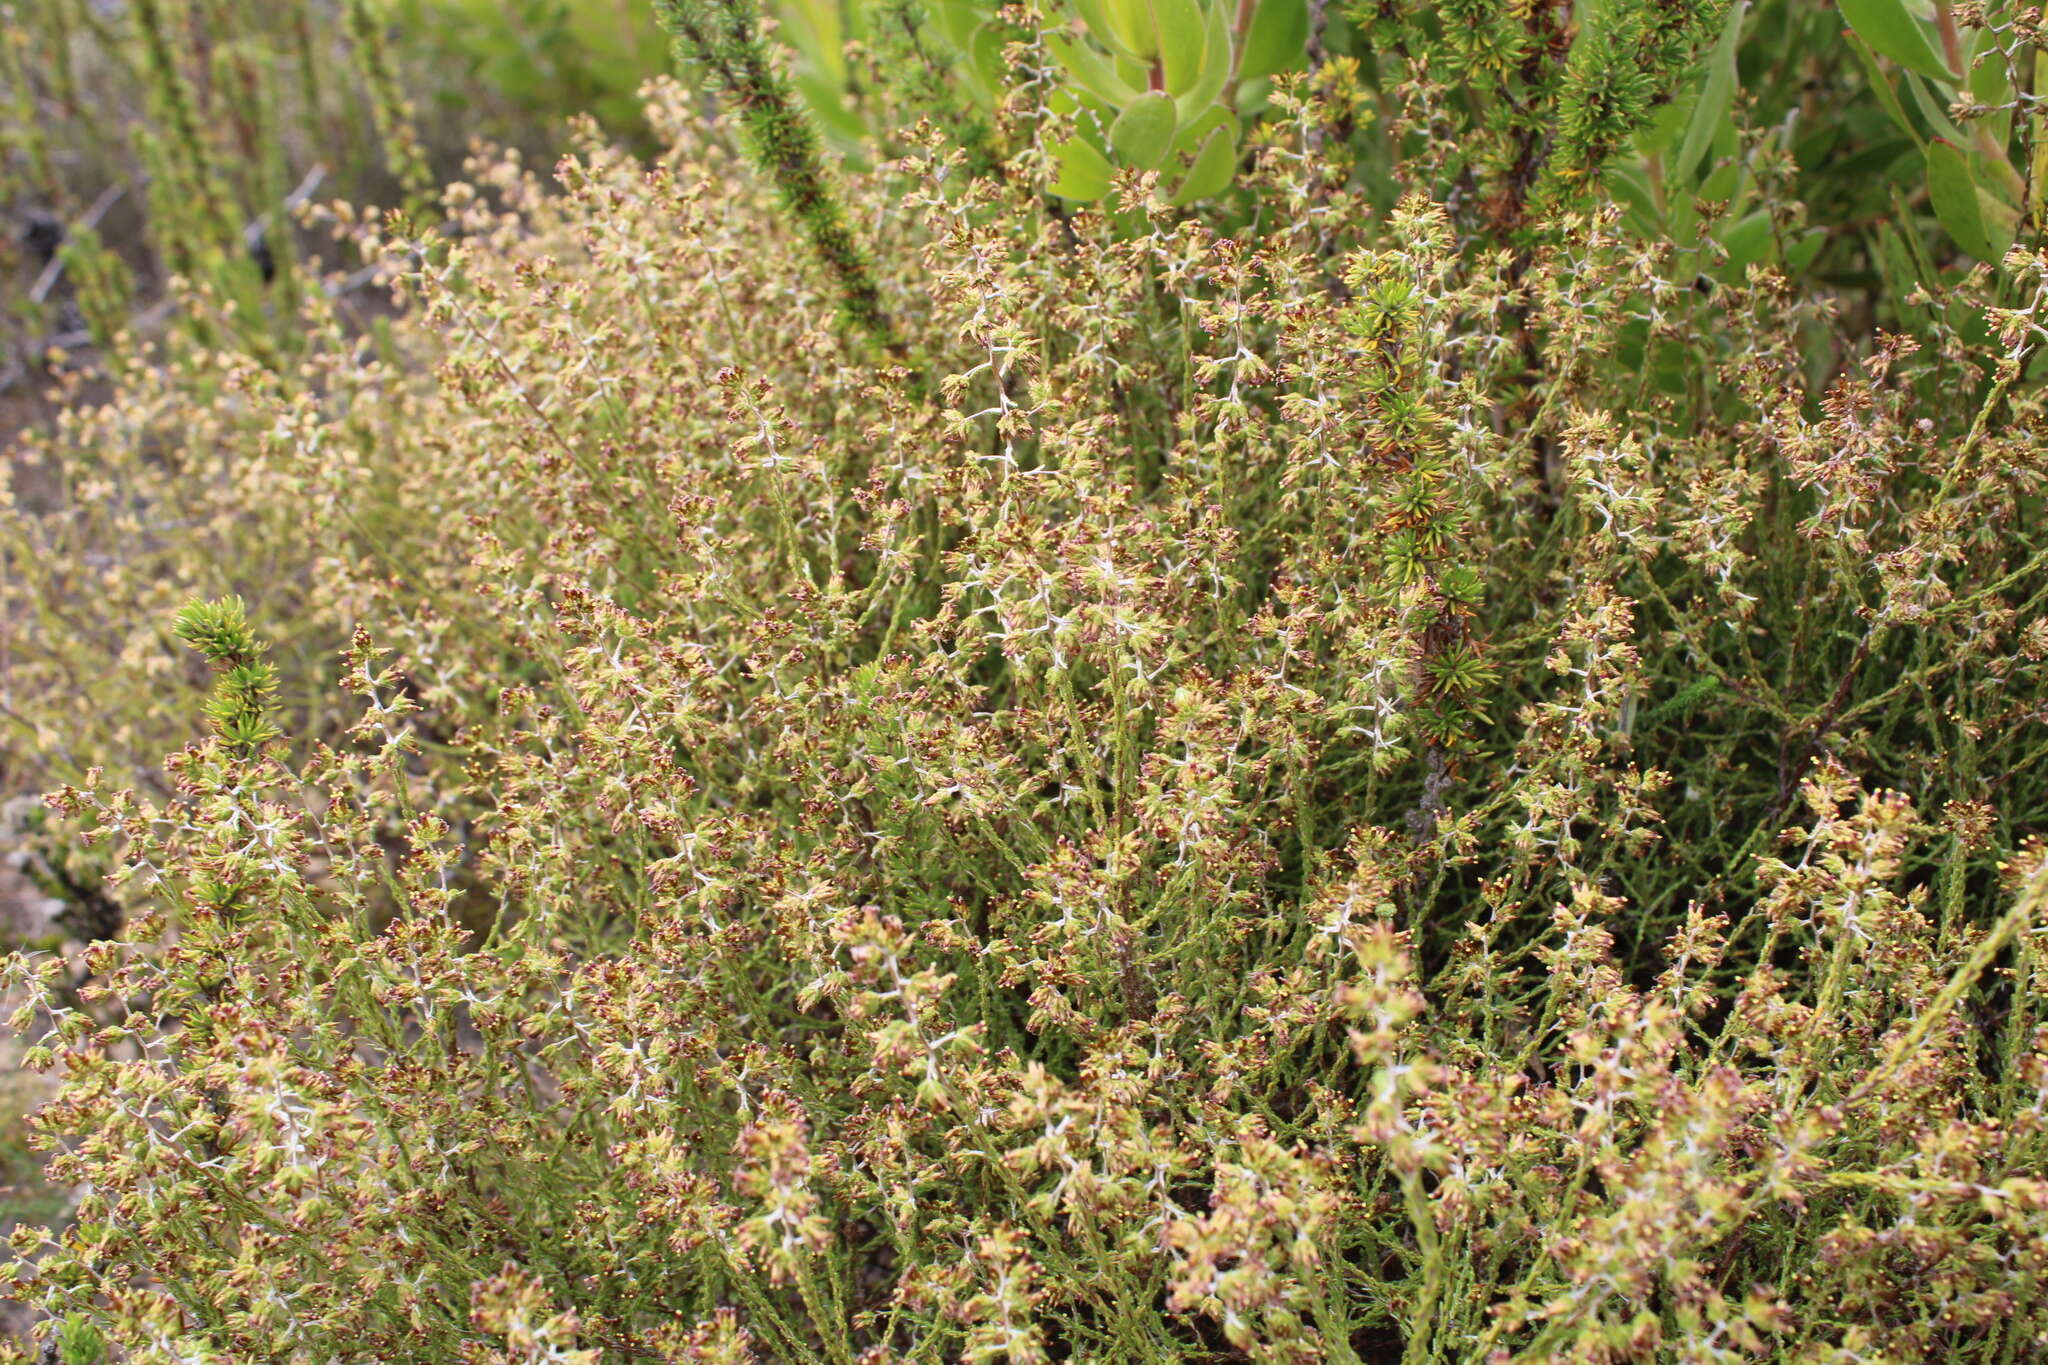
(1435, 754)
(151, 145)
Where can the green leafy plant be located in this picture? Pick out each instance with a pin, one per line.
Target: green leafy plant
(241, 705)
(1163, 87)
(536, 62)
(1976, 192)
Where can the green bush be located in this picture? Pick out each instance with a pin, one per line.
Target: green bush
(1433, 754)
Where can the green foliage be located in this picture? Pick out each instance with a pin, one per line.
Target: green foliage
(1419, 738)
(389, 111)
(79, 1342)
(534, 61)
(721, 36)
(173, 141)
(242, 703)
(1166, 75)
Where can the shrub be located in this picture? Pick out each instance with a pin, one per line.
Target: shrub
(151, 139)
(1391, 767)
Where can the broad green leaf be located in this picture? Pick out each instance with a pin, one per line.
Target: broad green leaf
(1180, 27)
(1672, 367)
(828, 102)
(1996, 177)
(1630, 341)
(1090, 70)
(1215, 67)
(1103, 23)
(1144, 131)
(1721, 183)
(1957, 203)
(1195, 131)
(1967, 316)
(1630, 187)
(985, 58)
(1666, 124)
(1895, 265)
(2037, 182)
(819, 34)
(1213, 168)
(1717, 96)
(1253, 96)
(2001, 220)
(957, 20)
(1899, 283)
(1800, 253)
(1890, 28)
(1725, 142)
(979, 50)
(1746, 243)
(1881, 86)
(1991, 85)
(1682, 221)
(1924, 268)
(1276, 41)
(1084, 172)
(1934, 111)
(1132, 22)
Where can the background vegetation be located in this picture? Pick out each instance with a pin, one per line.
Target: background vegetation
(1172, 682)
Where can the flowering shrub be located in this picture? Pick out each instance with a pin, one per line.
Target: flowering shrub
(932, 776)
